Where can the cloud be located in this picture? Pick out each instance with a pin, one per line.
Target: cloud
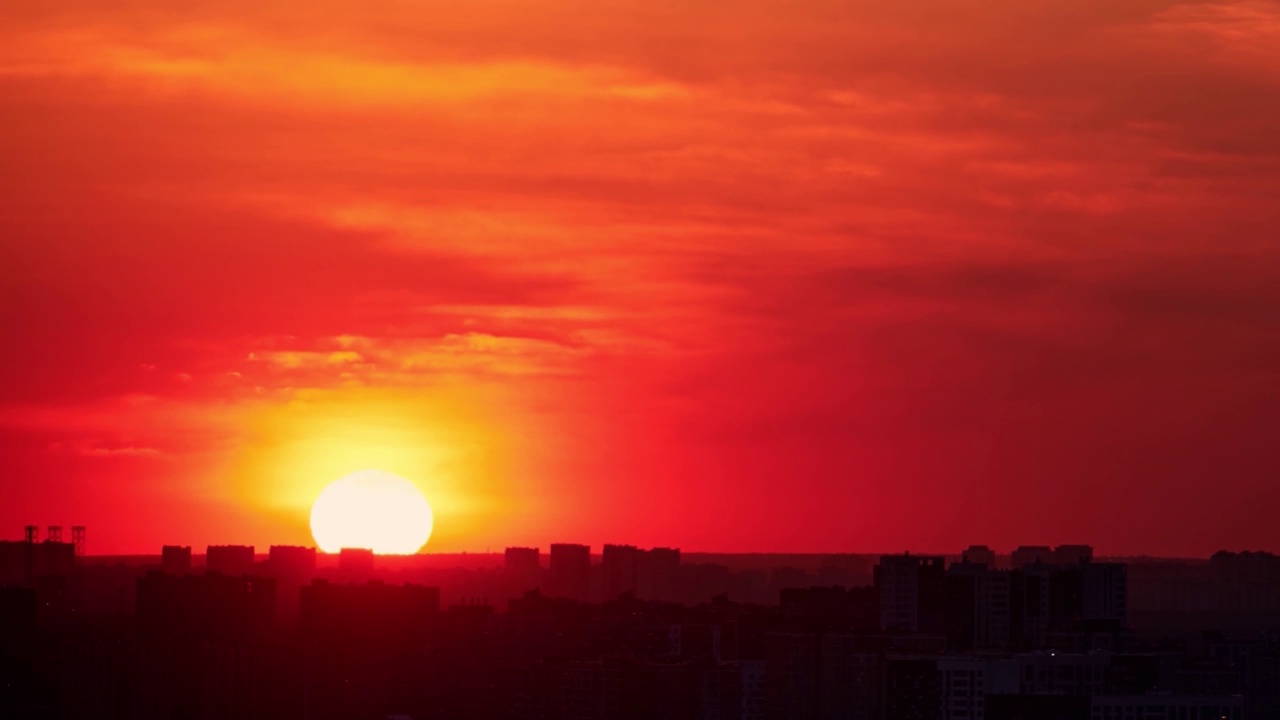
(95, 449)
(229, 60)
(933, 247)
(113, 452)
(1242, 33)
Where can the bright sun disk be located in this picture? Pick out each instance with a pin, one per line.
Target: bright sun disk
(371, 509)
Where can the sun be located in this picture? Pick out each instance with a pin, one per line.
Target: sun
(371, 509)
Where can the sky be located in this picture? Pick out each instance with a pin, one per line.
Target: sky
(762, 275)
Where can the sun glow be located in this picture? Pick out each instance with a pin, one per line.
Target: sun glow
(371, 509)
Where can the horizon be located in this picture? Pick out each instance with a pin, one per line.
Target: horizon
(596, 549)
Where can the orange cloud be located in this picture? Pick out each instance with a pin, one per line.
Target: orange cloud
(593, 268)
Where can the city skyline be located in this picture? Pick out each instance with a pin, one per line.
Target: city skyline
(1045, 633)
(76, 537)
(749, 276)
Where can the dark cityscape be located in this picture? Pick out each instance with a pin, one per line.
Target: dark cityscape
(1042, 633)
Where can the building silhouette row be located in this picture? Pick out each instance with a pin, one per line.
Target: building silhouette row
(1046, 635)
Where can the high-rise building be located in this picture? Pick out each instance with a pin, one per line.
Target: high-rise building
(522, 567)
(569, 573)
(1072, 554)
(911, 688)
(229, 559)
(521, 559)
(22, 563)
(967, 682)
(1058, 673)
(979, 555)
(980, 606)
(342, 612)
(1032, 555)
(292, 566)
(621, 568)
(200, 644)
(1033, 609)
(15, 562)
(175, 559)
(212, 606)
(358, 562)
(658, 577)
(1105, 592)
(822, 675)
(1222, 707)
(911, 592)
(291, 561)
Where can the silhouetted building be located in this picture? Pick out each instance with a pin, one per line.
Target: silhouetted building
(696, 641)
(369, 651)
(1057, 673)
(292, 561)
(1030, 600)
(1048, 641)
(78, 539)
(175, 559)
(569, 574)
(367, 609)
(830, 609)
(1070, 607)
(912, 688)
(202, 650)
(1166, 707)
(25, 563)
(16, 559)
(620, 565)
(980, 606)
(638, 689)
(823, 675)
(54, 559)
(1032, 555)
(356, 562)
(1105, 592)
(1072, 554)
(292, 566)
(209, 607)
(966, 682)
(979, 555)
(229, 559)
(911, 592)
(523, 568)
(1037, 707)
(658, 576)
(19, 648)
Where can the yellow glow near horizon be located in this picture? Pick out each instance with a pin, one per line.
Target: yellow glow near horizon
(371, 509)
(302, 444)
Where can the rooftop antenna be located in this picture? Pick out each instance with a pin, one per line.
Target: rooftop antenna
(32, 534)
(77, 539)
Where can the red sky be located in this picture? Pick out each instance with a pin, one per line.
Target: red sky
(752, 275)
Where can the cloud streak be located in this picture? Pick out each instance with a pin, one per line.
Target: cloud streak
(827, 258)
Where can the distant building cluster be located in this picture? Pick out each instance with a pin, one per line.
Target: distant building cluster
(629, 633)
(623, 570)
